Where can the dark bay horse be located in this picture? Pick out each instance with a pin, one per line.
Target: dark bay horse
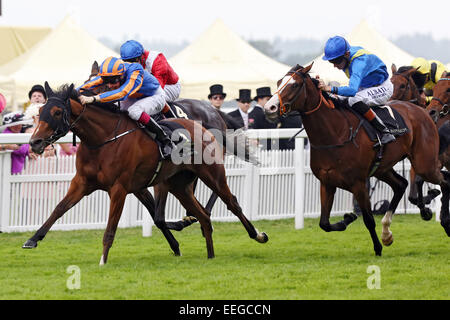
(405, 89)
(223, 126)
(129, 164)
(343, 157)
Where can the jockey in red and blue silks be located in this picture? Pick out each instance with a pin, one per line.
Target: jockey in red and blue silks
(369, 83)
(156, 64)
(139, 91)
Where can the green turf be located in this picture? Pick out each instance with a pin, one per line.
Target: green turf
(294, 264)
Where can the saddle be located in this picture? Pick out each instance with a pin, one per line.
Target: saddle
(391, 118)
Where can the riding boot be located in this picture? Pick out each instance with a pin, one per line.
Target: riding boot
(386, 135)
(166, 143)
(375, 121)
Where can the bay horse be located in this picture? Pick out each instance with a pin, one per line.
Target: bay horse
(343, 157)
(223, 126)
(130, 163)
(405, 89)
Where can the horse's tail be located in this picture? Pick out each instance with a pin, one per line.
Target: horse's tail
(236, 143)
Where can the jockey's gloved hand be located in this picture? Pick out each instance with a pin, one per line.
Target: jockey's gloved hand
(87, 100)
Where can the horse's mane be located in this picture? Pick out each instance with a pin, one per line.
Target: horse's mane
(403, 69)
(62, 91)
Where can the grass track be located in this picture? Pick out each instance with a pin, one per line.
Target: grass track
(295, 264)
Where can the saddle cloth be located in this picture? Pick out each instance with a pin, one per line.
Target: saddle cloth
(391, 118)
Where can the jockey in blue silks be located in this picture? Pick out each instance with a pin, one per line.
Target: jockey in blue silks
(139, 91)
(369, 83)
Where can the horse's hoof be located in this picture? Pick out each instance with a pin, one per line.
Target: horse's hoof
(433, 193)
(188, 220)
(388, 240)
(413, 200)
(426, 214)
(262, 237)
(350, 217)
(30, 244)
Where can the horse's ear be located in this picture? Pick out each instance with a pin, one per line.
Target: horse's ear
(69, 91)
(308, 68)
(94, 69)
(48, 90)
(394, 68)
(444, 74)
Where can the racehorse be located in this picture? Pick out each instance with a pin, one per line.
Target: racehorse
(129, 162)
(405, 89)
(343, 157)
(218, 122)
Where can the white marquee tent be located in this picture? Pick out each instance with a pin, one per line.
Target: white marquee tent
(221, 56)
(64, 56)
(365, 36)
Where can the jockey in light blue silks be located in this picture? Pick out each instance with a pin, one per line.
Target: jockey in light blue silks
(369, 83)
(139, 91)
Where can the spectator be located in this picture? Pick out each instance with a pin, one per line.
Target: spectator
(37, 94)
(241, 114)
(13, 122)
(257, 118)
(216, 95)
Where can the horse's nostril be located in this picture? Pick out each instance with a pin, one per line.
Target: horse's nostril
(273, 108)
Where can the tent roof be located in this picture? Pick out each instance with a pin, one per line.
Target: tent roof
(17, 40)
(365, 36)
(221, 56)
(64, 56)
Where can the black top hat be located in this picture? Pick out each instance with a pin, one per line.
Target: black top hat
(244, 95)
(216, 89)
(262, 92)
(39, 88)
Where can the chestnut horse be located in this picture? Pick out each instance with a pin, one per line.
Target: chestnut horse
(118, 157)
(343, 156)
(405, 89)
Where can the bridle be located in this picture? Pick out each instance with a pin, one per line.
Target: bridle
(285, 108)
(408, 86)
(445, 110)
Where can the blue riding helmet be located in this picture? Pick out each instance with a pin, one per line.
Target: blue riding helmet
(335, 48)
(131, 49)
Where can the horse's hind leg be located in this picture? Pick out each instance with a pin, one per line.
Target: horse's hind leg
(215, 179)
(444, 215)
(147, 200)
(184, 193)
(398, 185)
(117, 196)
(75, 193)
(326, 203)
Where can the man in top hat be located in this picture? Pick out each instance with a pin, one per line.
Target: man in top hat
(241, 114)
(216, 96)
(37, 94)
(257, 118)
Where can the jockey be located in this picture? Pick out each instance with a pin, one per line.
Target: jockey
(156, 64)
(369, 83)
(140, 92)
(428, 74)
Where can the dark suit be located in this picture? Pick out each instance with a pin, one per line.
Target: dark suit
(236, 114)
(257, 120)
(290, 122)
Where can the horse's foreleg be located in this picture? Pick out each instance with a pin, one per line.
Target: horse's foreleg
(75, 193)
(398, 185)
(117, 196)
(444, 214)
(412, 197)
(362, 196)
(326, 203)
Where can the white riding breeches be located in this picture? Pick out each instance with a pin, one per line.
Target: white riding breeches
(375, 96)
(150, 105)
(172, 91)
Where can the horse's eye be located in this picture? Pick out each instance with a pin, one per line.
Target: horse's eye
(58, 113)
(295, 85)
(402, 86)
